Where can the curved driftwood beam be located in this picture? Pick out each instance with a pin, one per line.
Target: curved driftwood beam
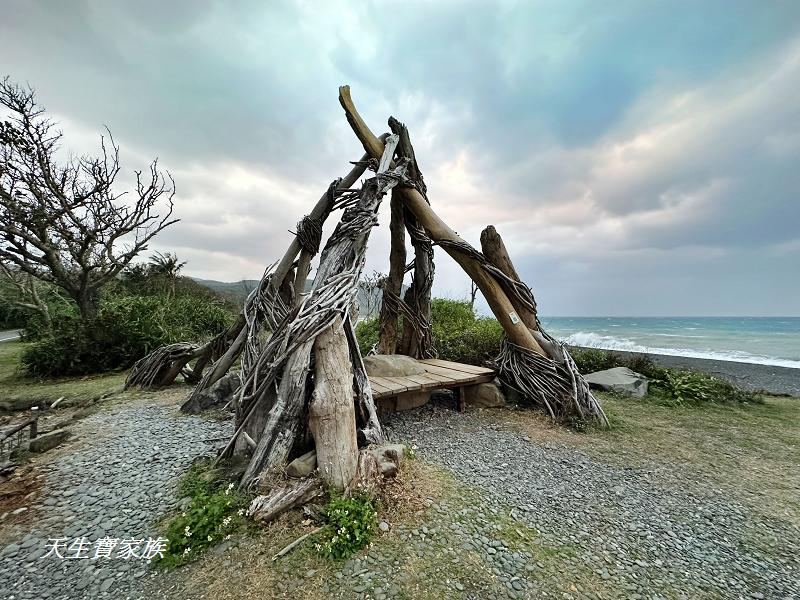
(438, 230)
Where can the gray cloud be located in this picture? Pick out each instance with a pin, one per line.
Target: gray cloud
(629, 152)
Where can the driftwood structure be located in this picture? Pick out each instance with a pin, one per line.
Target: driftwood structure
(303, 380)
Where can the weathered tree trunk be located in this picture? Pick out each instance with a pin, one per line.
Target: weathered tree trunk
(393, 285)
(331, 413)
(278, 501)
(283, 420)
(495, 251)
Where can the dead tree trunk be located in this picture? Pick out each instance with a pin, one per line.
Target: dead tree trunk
(393, 284)
(331, 413)
(416, 340)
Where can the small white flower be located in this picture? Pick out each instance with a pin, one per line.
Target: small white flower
(185, 552)
(240, 512)
(210, 538)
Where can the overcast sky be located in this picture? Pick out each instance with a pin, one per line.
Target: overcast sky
(639, 158)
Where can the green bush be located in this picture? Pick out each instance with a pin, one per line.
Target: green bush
(126, 329)
(349, 526)
(456, 332)
(367, 332)
(681, 386)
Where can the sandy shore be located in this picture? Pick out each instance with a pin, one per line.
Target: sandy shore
(777, 380)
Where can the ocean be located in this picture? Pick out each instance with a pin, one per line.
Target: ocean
(759, 340)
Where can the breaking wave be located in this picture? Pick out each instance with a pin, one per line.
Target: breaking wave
(609, 342)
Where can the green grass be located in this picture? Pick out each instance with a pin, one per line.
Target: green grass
(19, 392)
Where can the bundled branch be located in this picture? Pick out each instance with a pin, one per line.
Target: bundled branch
(266, 306)
(279, 385)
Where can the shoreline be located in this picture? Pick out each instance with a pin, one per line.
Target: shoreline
(749, 376)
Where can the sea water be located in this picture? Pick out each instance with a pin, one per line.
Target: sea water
(762, 340)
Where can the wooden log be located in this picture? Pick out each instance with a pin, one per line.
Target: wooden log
(283, 420)
(331, 413)
(278, 501)
(495, 251)
(393, 285)
(370, 429)
(416, 336)
(438, 230)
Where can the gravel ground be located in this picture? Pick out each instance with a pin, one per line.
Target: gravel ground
(115, 481)
(637, 533)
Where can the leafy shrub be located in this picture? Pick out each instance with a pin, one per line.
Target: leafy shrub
(367, 333)
(458, 335)
(680, 386)
(126, 329)
(215, 511)
(590, 360)
(350, 524)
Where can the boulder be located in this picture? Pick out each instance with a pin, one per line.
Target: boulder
(411, 400)
(389, 457)
(619, 379)
(484, 395)
(48, 441)
(302, 466)
(392, 365)
(216, 395)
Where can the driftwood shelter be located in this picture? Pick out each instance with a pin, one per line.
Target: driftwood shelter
(303, 382)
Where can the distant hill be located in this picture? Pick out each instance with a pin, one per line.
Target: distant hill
(237, 292)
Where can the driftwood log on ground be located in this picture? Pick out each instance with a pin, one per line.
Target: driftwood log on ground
(279, 500)
(529, 361)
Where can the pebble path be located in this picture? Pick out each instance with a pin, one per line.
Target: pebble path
(643, 533)
(115, 480)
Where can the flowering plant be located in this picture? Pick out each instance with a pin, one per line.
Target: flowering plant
(350, 523)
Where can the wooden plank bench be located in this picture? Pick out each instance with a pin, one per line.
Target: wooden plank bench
(439, 374)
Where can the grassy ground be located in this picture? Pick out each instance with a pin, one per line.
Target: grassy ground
(18, 392)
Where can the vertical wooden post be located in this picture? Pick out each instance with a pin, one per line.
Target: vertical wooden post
(331, 413)
(393, 285)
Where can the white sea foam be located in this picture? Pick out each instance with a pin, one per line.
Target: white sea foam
(609, 342)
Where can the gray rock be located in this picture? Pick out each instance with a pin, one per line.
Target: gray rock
(392, 365)
(619, 379)
(217, 395)
(48, 441)
(484, 395)
(302, 466)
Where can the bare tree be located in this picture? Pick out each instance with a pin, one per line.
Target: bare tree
(63, 222)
